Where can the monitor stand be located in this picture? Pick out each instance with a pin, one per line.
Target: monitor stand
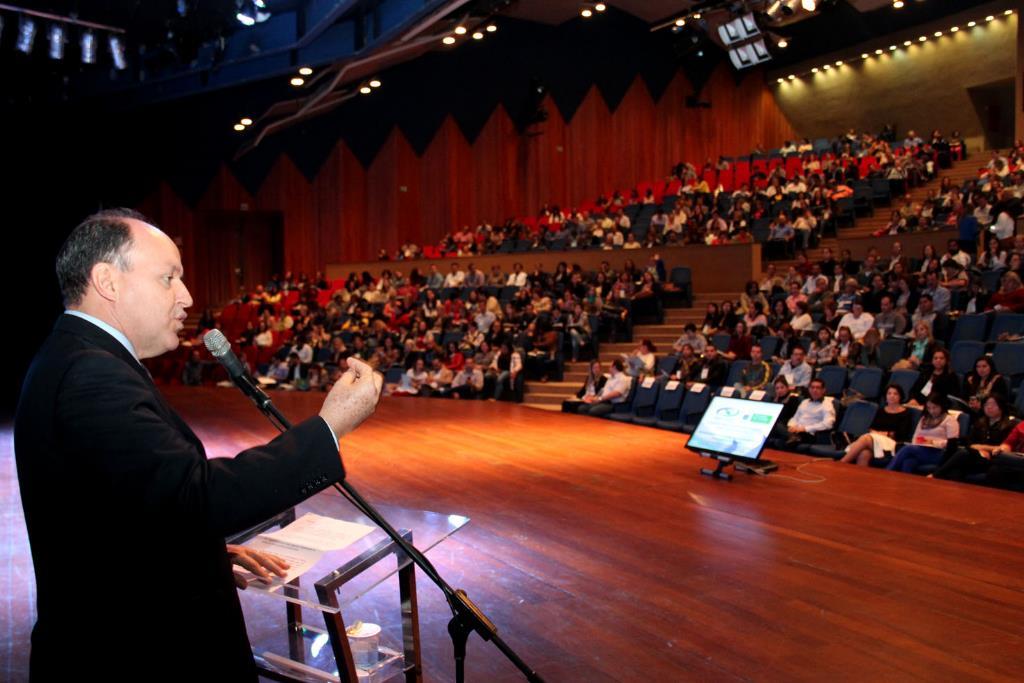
(719, 472)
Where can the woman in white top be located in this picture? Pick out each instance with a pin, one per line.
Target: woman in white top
(641, 360)
(802, 321)
(412, 380)
(933, 434)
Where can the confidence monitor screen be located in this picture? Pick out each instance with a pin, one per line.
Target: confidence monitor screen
(735, 427)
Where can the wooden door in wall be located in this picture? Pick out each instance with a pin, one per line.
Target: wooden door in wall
(236, 250)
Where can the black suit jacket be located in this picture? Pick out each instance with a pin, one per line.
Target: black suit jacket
(127, 518)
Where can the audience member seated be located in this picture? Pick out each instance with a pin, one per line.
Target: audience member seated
(939, 378)
(615, 391)
(469, 383)
(712, 369)
(892, 425)
(590, 390)
(757, 375)
(815, 415)
(936, 428)
(796, 371)
(640, 361)
(988, 432)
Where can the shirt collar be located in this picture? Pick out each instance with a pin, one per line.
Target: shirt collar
(112, 331)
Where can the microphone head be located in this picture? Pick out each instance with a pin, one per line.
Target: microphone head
(217, 343)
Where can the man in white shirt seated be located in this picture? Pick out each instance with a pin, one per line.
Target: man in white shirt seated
(469, 382)
(455, 277)
(517, 278)
(796, 370)
(816, 414)
(857, 320)
(614, 392)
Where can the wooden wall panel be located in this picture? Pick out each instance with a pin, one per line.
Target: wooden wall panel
(348, 213)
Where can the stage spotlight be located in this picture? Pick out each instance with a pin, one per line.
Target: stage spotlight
(477, 35)
(250, 12)
(448, 40)
(297, 81)
(491, 28)
(366, 90)
(88, 44)
(117, 52)
(26, 35)
(460, 30)
(246, 121)
(586, 13)
(375, 83)
(305, 71)
(55, 36)
(600, 7)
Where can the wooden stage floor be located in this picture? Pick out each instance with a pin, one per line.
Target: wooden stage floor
(603, 555)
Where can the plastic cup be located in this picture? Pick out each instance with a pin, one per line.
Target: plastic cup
(365, 642)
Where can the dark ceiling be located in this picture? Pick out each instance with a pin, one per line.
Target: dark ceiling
(167, 40)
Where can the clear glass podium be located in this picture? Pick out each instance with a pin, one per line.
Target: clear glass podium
(287, 648)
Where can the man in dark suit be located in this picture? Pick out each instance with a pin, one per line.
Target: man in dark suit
(126, 516)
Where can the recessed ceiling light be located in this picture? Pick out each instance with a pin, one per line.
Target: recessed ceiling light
(305, 71)
(448, 40)
(460, 30)
(297, 81)
(246, 121)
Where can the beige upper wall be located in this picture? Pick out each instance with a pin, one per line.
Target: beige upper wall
(924, 86)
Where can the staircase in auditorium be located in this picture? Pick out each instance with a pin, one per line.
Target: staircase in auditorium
(866, 225)
(549, 395)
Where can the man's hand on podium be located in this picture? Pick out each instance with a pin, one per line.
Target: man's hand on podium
(256, 561)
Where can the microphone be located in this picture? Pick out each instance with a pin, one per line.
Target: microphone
(220, 348)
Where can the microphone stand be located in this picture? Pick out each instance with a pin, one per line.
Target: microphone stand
(466, 616)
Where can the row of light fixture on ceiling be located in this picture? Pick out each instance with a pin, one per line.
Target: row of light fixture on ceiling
(461, 30)
(892, 48)
(57, 39)
(587, 11)
(299, 80)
